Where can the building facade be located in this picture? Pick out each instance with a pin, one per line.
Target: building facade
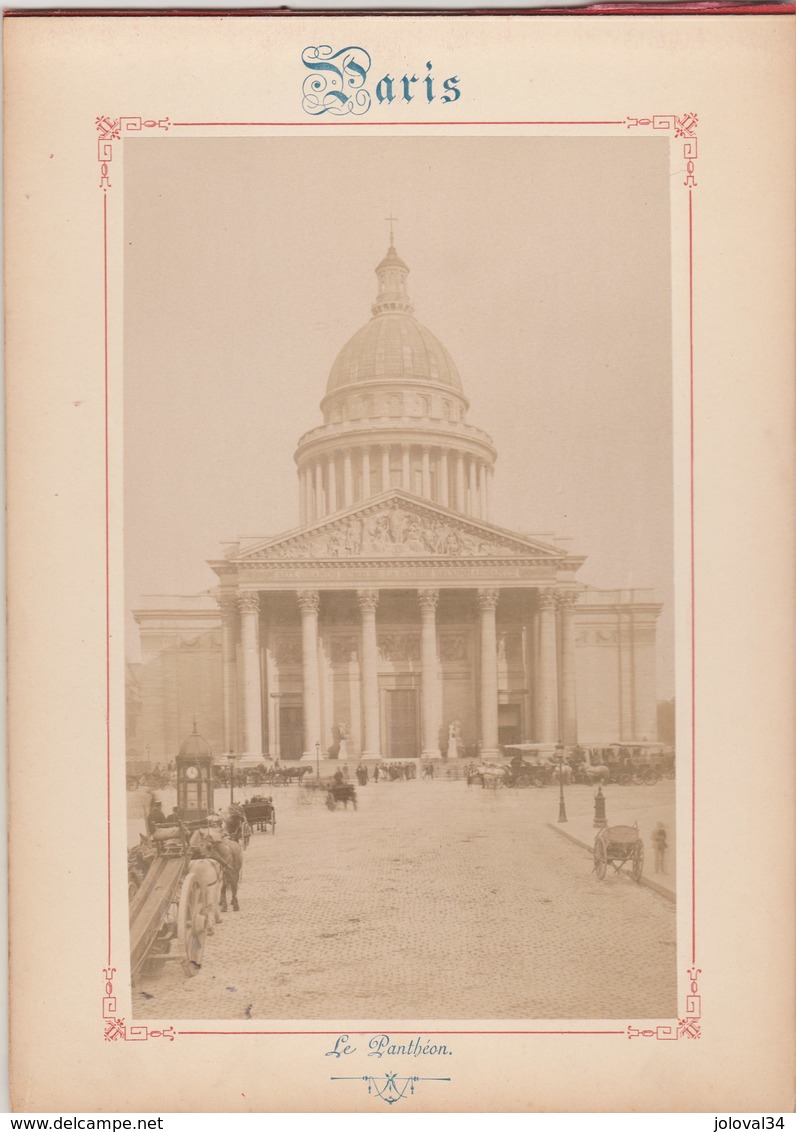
(396, 620)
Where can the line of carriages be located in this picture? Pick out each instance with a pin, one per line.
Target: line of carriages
(539, 765)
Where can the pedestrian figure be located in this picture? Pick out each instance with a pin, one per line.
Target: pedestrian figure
(659, 843)
(155, 817)
(376, 773)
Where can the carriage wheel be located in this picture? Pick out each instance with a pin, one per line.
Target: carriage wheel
(623, 778)
(191, 925)
(651, 776)
(638, 861)
(522, 780)
(600, 858)
(538, 780)
(638, 778)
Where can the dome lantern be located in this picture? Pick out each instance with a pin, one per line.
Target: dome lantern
(391, 274)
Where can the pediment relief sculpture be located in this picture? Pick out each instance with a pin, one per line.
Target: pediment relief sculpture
(396, 532)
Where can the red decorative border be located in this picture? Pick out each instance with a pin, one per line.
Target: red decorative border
(684, 127)
(688, 1027)
(116, 1029)
(111, 130)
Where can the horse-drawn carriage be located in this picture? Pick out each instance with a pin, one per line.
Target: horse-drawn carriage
(619, 845)
(189, 870)
(638, 763)
(284, 775)
(169, 903)
(260, 813)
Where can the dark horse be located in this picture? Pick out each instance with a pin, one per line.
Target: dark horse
(341, 792)
(238, 829)
(228, 854)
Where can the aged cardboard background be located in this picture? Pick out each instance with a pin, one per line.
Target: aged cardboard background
(737, 75)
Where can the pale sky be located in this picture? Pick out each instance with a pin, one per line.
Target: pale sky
(542, 264)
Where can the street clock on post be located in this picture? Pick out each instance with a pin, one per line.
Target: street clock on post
(195, 778)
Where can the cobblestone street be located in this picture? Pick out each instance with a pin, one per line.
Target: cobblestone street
(433, 900)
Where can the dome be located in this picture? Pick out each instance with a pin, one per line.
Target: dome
(393, 346)
(195, 746)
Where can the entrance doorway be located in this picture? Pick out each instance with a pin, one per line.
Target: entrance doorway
(509, 724)
(291, 732)
(402, 723)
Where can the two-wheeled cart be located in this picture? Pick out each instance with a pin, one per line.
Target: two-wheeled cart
(619, 845)
(168, 907)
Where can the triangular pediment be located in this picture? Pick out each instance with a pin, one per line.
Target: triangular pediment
(398, 525)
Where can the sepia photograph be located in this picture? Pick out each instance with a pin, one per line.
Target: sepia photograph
(398, 567)
(400, 532)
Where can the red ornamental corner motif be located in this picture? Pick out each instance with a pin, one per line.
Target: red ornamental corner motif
(111, 130)
(116, 1029)
(683, 126)
(690, 1026)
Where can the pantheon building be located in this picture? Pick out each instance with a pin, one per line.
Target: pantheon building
(396, 614)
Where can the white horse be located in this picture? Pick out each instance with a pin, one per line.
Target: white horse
(596, 773)
(210, 875)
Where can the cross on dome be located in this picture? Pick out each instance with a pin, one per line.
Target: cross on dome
(390, 220)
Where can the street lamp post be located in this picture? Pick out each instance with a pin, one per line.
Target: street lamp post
(231, 759)
(562, 810)
(317, 760)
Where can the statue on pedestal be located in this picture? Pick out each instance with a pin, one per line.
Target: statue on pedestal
(454, 739)
(342, 750)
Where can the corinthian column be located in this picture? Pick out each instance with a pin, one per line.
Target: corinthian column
(365, 473)
(309, 601)
(473, 507)
(302, 497)
(547, 675)
(385, 468)
(487, 603)
(442, 479)
(319, 508)
(430, 672)
(426, 473)
(348, 480)
(461, 490)
(369, 660)
(482, 474)
(229, 609)
(406, 468)
(252, 738)
(569, 715)
(331, 479)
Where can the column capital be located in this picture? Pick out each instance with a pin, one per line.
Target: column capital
(567, 600)
(248, 602)
(488, 599)
(546, 599)
(368, 599)
(428, 599)
(309, 600)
